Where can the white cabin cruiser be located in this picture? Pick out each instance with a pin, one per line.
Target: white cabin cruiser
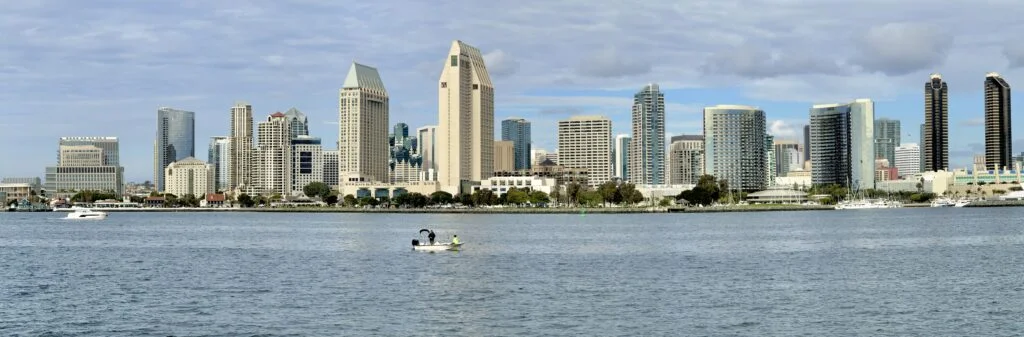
(85, 213)
(435, 246)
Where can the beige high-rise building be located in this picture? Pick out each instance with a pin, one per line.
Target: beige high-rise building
(465, 131)
(189, 176)
(273, 157)
(240, 170)
(363, 127)
(585, 142)
(686, 159)
(504, 156)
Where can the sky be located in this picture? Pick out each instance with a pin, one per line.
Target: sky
(104, 67)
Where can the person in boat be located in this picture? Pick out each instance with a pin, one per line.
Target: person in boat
(455, 239)
(430, 236)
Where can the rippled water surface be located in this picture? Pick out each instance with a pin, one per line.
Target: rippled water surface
(932, 272)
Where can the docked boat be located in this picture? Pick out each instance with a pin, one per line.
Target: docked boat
(962, 203)
(943, 202)
(435, 246)
(868, 204)
(86, 214)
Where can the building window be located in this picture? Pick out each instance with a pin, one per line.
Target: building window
(455, 60)
(444, 84)
(476, 86)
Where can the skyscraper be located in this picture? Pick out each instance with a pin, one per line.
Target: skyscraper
(240, 172)
(887, 138)
(175, 140)
(363, 126)
(465, 131)
(769, 163)
(647, 148)
(584, 142)
(807, 142)
(842, 144)
(517, 130)
(85, 163)
(685, 159)
(307, 161)
(998, 138)
(734, 146)
(908, 159)
(504, 156)
(427, 144)
(620, 157)
(273, 157)
(936, 125)
(219, 155)
(331, 168)
(785, 151)
(405, 163)
(298, 124)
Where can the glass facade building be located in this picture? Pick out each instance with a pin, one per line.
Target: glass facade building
(175, 140)
(734, 146)
(842, 144)
(219, 155)
(517, 130)
(647, 150)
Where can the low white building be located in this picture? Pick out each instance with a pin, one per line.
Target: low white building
(189, 176)
(655, 192)
(501, 185)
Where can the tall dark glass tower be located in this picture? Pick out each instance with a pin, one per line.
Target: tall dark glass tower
(936, 125)
(175, 140)
(647, 150)
(517, 130)
(998, 138)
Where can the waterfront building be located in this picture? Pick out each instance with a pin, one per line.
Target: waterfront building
(585, 142)
(908, 159)
(190, 176)
(331, 168)
(85, 163)
(363, 126)
(686, 159)
(620, 157)
(734, 146)
(298, 124)
(34, 183)
(307, 163)
(549, 169)
(241, 148)
(998, 135)
(504, 155)
(465, 131)
(426, 147)
(647, 147)
(175, 140)
(501, 185)
(842, 144)
(273, 157)
(405, 162)
(788, 156)
(935, 131)
(219, 155)
(887, 138)
(13, 192)
(518, 131)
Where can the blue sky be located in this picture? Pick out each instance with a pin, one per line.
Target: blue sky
(103, 67)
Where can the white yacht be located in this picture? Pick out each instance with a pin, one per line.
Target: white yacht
(86, 214)
(868, 204)
(943, 202)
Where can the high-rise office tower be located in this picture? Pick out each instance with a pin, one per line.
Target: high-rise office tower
(240, 171)
(426, 147)
(908, 159)
(769, 163)
(935, 145)
(584, 142)
(647, 148)
(465, 130)
(685, 159)
(298, 124)
(331, 168)
(517, 130)
(807, 142)
(175, 140)
(504, 156)
(363, 126)
(787, 157)
(273, 157)
(842, 144)
(219, 155)
(998, 138)
(405, 162)
(887, 138)
(85, 163)
(307, 162)
(734, 148)
(620, 157)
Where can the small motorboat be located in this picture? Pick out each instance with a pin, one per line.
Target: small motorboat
(85, 213)
(434, 246)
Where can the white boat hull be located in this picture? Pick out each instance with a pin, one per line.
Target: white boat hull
(437, 247)
(86, 214)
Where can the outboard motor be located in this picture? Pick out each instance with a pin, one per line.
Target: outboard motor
(415, 242)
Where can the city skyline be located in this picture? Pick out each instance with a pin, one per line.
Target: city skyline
(596, 79)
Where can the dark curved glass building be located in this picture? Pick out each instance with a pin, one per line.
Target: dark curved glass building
(175, 140)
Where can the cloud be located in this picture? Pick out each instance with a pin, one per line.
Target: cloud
(973, 122)
(756, 63)
(499, 64)
(783, 129)
(562, 111)
(610, 63)
(902, 48)
(1014, 53)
